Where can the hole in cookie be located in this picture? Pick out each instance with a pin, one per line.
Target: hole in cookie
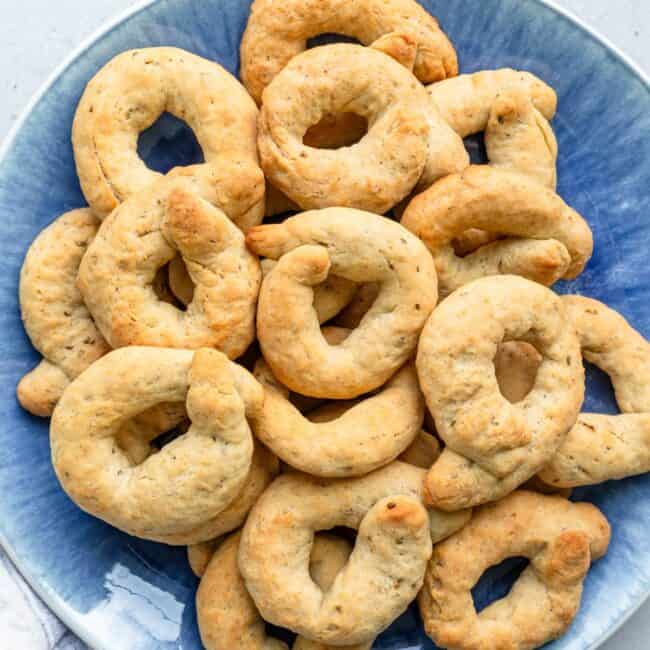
(330, 37)
(475, 145)
(161, 288)
(516, 364)
(168, 436)
(168, 143)
(496, 582)
(178, 287)
(336, 130)
(599, 393)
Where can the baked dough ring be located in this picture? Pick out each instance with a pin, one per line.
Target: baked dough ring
(264, 468)
(559, 538)
(53, 312)
(603, 447)
(227, 615)
(503, 202)
(370, 434)
(492, 445)
(465, 101)
(407, 142)
(191, 479)
(361, 247)
(391, 551)
(276, 33)
(129, 94)
(145, 233)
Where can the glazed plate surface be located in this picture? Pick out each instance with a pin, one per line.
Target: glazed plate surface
(122, 593)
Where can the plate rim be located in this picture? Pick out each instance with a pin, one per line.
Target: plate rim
(65, 614)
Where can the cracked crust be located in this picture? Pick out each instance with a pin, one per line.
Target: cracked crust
(361, 247)
(55, 317)
(493, 445)
(146, 232)
(277, 32)
(129, 94)
(190, 480)
(390, 554)
(507, 203)
(559, 538)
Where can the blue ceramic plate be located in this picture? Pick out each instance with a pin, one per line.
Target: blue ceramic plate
(118, 592)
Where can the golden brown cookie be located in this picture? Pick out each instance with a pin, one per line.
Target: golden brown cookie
(503, 202)
(560, 539)
(390, 554)
(190, 480)
(55, 317)
(345, 439)
(145, 233)
(277, 32)
(493, 445)
(128, 95)
(358, 246)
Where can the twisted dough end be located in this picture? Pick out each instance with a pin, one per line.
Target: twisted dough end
(40, 389)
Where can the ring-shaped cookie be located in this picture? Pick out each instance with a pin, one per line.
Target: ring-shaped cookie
(57, 322)
(227, 615)
(493, 445)
(370, 434)
(276, 33)
(389, 557)
(145, 233)
(504, 202)
(127, 96)
(361, 247)
(560, 538)
(407, 142)
(190, 480)
(602, 447)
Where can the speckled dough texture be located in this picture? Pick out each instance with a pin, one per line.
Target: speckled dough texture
(407, 142)
(370, 434)
(277, 32)
(361, 247)
(129, 94)
(505, 202)
(465, 101)
(493, 445)
(142, 235)
(227, 615)
(391, 551)
(603, 447)
(53, 312)
(188, 482)
(560, 539)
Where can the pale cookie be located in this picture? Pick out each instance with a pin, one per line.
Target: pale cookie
(227, 615)
(560, 539)
(602, 447)
(144, 234)
(465, 101)
(352, 441)
(57, 322)
(407, 142)
(277, 32)
(190, 480)
(386, 567)
(493, 445)
(507, 203)
(361, 247)
(129, 94)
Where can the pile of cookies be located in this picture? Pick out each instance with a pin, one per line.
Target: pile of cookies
(240, 387)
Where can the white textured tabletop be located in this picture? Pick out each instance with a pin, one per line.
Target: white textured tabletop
(35, 35)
